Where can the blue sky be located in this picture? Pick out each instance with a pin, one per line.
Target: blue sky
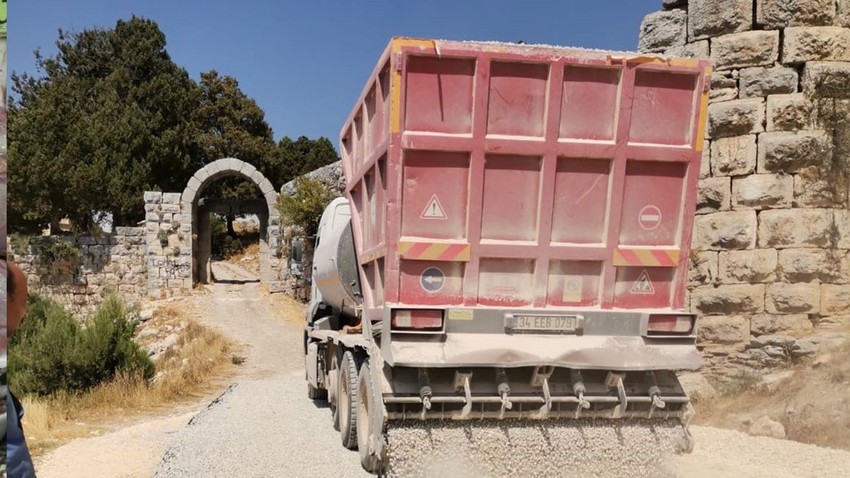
(306, 61)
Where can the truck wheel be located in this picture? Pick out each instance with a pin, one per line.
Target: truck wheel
(370, 462)
(347, 404)
(333, 390)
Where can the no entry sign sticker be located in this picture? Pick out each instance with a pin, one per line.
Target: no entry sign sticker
(649, 217)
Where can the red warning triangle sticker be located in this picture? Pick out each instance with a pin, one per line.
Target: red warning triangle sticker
(643, 285)
(434, 210)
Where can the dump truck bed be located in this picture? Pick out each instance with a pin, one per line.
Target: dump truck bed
(487, 175)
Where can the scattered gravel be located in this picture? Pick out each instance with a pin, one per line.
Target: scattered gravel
(584, 448)
(261, 428)
(264, 425)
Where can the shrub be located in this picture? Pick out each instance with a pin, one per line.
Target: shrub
(305, 207)
(55, 256)
(53, 353)
(223, 244)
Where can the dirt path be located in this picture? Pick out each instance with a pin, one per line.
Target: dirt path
(263, 425)
(130, 452)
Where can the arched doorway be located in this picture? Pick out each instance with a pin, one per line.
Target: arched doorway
(200, 227)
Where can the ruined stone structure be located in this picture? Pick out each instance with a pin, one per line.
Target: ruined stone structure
(178, 231)
(170, 253)
(770, 270)
(109, 263)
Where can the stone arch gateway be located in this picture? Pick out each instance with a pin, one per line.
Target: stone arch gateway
(199, 230)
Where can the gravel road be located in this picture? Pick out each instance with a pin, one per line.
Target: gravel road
(264, 425)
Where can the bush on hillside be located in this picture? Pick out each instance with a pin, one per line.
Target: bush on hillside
(53, 353)
(305, 207)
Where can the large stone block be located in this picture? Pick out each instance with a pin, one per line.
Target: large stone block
(788, 152)
(835, 299)
(267, 189)
(763, 191)
(787, 13)
(171, 198)
(662, 30)
(825, 79)
(725, 230)
(714, 194)
(153, 197)
(816, 188)
(781, 298)
(708, 18)
(758, 82)
(736, 118)
(729, 299)
(806, 265)
(247, 169)
(734, 156)
(794, 324)
(803, 44)
(194, 185)
(784, 228)
(724, 329)
(740, 50)
(697, 49)
(724, 86)
(703, 269)
(752, 266)
(789, 112)
(170, 208)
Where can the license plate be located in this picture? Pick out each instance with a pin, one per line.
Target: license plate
(564, 324)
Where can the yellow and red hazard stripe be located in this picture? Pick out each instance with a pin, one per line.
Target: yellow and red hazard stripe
(646, 257)
(433, 251)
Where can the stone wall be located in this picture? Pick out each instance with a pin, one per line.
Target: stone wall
(770, 271)
(109, 263)
(168, 244)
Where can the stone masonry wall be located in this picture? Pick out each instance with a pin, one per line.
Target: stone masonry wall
(109, 263)
(168, 244)
(770, 271)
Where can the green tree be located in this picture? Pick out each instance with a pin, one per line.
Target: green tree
(108, 118)
(231, 124)
(302, 156)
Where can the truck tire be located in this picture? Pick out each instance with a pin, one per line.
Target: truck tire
(371, 463)
(347, 400)
(333, 390)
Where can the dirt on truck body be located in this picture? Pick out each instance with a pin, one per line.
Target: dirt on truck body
(503, 288)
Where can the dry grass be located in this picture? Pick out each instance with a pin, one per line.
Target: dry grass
(813, 404)
(188, 371)
(248, 258)
(287, 309)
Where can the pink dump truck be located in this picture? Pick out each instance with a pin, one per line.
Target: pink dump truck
(514, 243)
